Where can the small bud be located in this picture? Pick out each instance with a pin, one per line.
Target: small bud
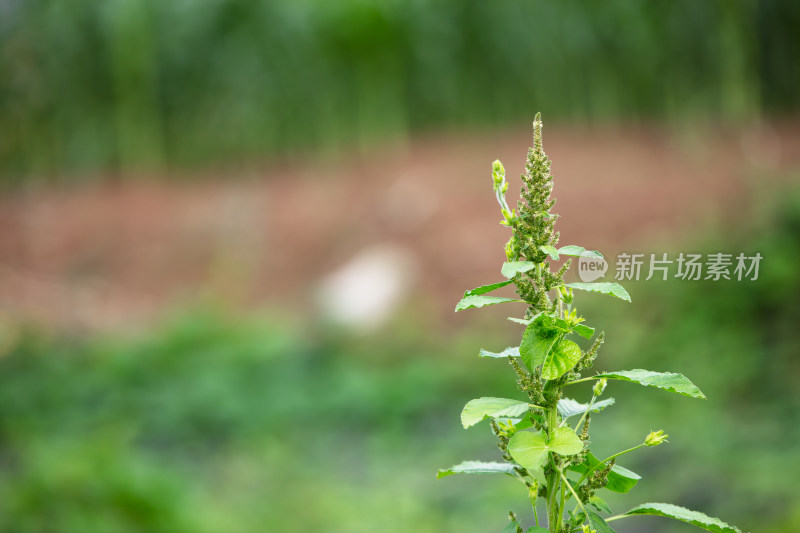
(498, 174)
(566, 294)
(600, 386)
(587, 529)
(497, 167)
(655, 438)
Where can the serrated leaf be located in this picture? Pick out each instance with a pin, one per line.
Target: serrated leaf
(568, 407)
(488, 407)
(620, 479)
(550, 250)
(663, 380)
(530, 449)
(695, 518)
(562, 358)
(480, 300)
(577, 251)
(614, 289)
(513, 268)
(583, 331)
(486, 288)
(512, 351)
(539, 337)
(476, 467)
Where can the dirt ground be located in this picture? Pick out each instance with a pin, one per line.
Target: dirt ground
(117, 255)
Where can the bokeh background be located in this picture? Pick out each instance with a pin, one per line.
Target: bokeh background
(232, 234)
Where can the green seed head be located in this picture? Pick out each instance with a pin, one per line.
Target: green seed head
(655, 438)
(600, 386)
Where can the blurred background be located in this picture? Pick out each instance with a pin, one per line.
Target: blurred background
(232, 234)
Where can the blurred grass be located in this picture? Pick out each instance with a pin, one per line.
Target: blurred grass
(219, 423)
(89, 89)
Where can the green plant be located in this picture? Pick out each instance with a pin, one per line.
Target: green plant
(541, 447)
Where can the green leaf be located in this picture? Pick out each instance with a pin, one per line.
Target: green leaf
(535, 529)
(561, 359)
(583, 331)
(520, 320)
(481, 408)
(512, 351)
(614, 289)
(597, 523)
(530, 449)
(685, 515)
(600, 504)
(539, 337)
(479, 300)
(568, 407)
(577, 251)
(476, 467)
(620, 479)
(663, 380)
(519, 423)
(486, 288)
(550, 250)
(513, 268)
(565, 442)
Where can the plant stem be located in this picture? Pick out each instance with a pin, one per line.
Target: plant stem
(591, 404)
(577, 500)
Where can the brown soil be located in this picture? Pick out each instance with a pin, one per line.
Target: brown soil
(115, 256)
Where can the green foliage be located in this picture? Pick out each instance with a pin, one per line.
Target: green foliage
(562, 358)
(550, 448)
(539, 337)
(510, 351)
(530, 450)
(118, 86)
(202, 425)
(619, 479)
(482, 408)
(476, 467)
(479, 300)
(486, 288)
(211, 450)
(573, 250)
(170, 416)
(614, 289)
(512, 268)
(685, 515)
(568, 407)
(663, 380)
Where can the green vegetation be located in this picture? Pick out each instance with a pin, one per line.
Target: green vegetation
(214, 423)
(105, 87)
(547, 364)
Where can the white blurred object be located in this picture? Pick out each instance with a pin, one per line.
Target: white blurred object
(363, 293)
